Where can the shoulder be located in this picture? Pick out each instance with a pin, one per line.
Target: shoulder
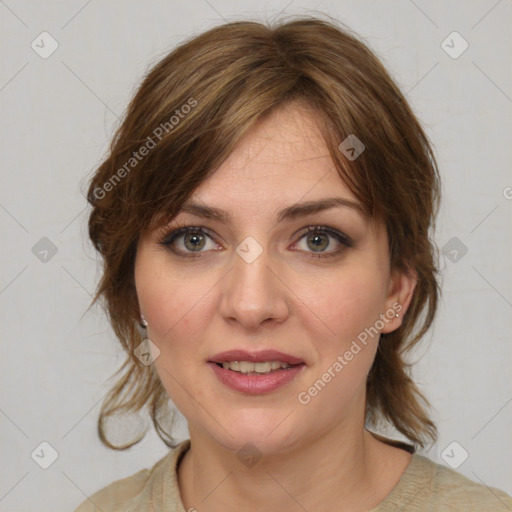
(157, 485)
(453, 489)
(426, 485)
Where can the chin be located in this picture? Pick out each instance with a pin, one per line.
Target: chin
(265, 435)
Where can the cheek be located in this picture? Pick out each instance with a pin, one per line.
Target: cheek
(166, 299)
(348, 306)
(174, 308)
(347, 302)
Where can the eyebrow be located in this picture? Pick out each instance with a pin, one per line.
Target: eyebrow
(291, 212)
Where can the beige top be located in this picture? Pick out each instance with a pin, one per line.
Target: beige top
(424, 486)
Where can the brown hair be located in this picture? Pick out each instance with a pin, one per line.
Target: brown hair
(190, 111)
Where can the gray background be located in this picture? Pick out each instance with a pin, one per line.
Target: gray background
(58, 115)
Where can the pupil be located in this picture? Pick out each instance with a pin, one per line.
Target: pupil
(317, 241)
(195, 240)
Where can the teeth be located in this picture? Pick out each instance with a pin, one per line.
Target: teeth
(249, 367)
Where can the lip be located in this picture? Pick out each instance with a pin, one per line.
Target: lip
(255, 357)
(255, 384)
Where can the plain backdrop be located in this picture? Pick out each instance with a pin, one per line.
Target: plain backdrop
(58, 115)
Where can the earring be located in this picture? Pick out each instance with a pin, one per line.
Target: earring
(143, 322)
(397, 315)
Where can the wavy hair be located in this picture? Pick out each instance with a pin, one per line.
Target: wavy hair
(189, 112)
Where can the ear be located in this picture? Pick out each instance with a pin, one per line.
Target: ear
(400, 292)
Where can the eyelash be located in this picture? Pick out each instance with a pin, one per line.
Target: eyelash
(182, 229)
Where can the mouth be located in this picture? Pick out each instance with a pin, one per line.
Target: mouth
(245, 361)
(259, 368)
(257, 378)
(256, 373)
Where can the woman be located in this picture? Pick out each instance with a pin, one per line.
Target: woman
(264, 218)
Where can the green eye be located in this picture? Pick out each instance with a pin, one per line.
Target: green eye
(194, 239)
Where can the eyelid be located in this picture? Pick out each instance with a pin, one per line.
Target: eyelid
(171, 234)
(336, 233)
(178, 230)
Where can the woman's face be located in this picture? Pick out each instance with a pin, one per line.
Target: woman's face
(257, 280)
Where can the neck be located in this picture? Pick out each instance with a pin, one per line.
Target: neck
(341, 470)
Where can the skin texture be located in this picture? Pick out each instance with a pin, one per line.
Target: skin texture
(317, 456)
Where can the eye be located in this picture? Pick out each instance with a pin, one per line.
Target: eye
(315, 240)
(187, 240)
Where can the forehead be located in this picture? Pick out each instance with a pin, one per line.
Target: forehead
(284, 156)
(289, 135)
(280, 170)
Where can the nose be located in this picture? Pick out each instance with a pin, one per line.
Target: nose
(254, 293)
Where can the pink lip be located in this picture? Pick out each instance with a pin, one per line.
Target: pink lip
(255, 357)
(255, 384)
